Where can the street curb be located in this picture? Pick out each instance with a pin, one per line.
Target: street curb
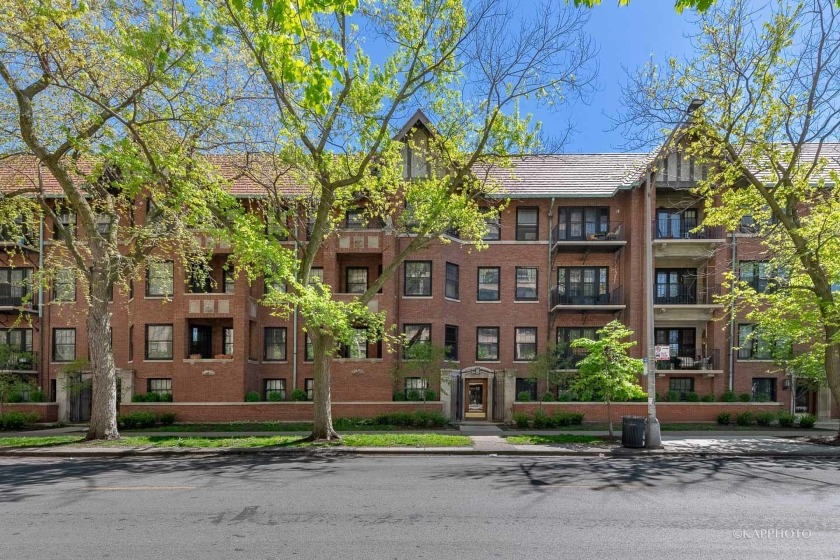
(396, 451)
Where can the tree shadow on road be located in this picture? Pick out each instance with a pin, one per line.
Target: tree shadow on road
(23, 478)
(816, 476)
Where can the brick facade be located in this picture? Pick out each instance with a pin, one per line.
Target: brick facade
(697, 330)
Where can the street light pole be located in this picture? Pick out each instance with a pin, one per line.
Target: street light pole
(653, 434)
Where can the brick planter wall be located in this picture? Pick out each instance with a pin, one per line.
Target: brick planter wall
(47, 412)
(665, 412)
(273, 411)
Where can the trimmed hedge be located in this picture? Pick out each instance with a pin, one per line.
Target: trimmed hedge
(16, 420)
(543, 421)
(140, 420)
(417, 419)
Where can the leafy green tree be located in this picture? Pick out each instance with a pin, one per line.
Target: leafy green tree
(104, 101)
(343, 147)
(607, 370)
(767, 132)
(680, 5)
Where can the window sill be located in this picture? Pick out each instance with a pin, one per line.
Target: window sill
(452, 299)
(162, 360)
(488, 301)
(488, 361)
(368, 360)
(526, 301)
(417, 297)
(185, 294)
(523, 361)
(159, 297)
(281, 362)
(207, 360)
(756, 360)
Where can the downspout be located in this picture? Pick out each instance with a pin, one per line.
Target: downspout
(732, 315)
(295, 326)
(548, 273)
(41, 284)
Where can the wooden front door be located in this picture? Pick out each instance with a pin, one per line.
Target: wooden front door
(475, 403)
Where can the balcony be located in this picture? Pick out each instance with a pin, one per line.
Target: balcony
(688, 361)
(360, 241)
(608, 241)
(685, 239)
(607, 302)
(685, 303)
(14, 298)
(209, 304)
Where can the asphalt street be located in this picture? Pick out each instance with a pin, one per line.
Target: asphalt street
(419, 507)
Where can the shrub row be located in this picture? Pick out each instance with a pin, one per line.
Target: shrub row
(16, 420)
(766, 418)
(417, 419)
(139, 420)
(543, 421)
(415, 395)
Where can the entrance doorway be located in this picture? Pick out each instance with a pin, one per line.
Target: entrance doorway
(475, 403)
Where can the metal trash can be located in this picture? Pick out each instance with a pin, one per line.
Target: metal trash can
(633, 431)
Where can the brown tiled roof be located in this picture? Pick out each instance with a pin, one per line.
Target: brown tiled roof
(568, 175)
(559, 175)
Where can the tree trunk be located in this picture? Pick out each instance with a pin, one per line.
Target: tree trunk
(609, 418)
(322, 350)
(103, 415)
(832, 367)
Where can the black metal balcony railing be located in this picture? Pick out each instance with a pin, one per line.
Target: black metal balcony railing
(15, 296)
(570, 297)
(685, 230)
(18, 361)
(688, 358)
(684, 295)
(614, 232)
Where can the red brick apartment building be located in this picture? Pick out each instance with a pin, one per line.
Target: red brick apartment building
(566, 257)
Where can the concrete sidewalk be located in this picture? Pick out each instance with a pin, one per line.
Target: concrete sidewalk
(673, 446)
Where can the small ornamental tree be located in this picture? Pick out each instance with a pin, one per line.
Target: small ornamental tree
(423, 361)
(545, 368)
(607, 370)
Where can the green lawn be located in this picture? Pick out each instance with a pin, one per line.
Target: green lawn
(352, 440)
(406, 440)
(37, 441)
(560, 438)
(341, 424)
(672, 427)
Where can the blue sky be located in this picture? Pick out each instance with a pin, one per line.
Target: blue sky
(626, 36)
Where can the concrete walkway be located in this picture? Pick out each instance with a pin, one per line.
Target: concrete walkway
(488, 444)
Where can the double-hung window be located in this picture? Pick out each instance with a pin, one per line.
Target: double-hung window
(453, 281)
(159, 279)
(488, 283)
(158, 342)
(487, 344)
(450, 342)
(356, 280)
(416, 335)
(64, 345)
(274, 341)
(527, 224)
(525, 347)
(418, 278)
(64, 288)
(526, 284)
